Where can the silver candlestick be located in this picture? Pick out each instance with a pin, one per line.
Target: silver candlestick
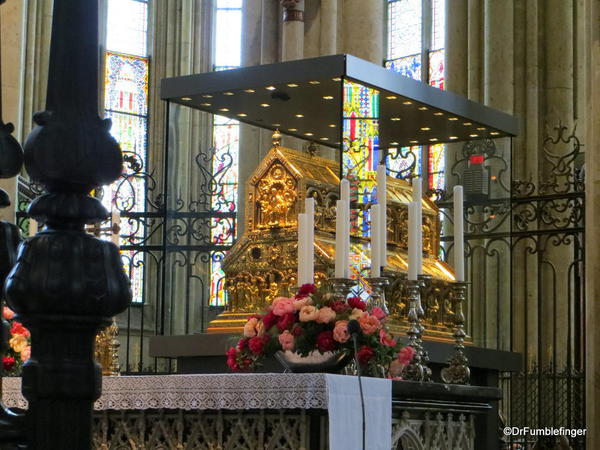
(415, 371)
(341, 287)
(424, 282)
(458, 371)
(378, 285)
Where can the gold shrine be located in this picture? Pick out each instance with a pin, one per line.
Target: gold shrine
(262, 264)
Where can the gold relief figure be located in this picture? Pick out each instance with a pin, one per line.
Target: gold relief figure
(252, 301)
(276, 196)
(427, 237)
(272, 292)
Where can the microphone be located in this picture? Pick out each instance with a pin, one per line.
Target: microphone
(354, 331)
(354, 328)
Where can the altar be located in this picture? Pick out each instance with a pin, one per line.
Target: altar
(278, 411)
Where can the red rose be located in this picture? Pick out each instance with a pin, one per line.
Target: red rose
(297, 331)
(339, 306)
(269, 320)
(257, 343)
(356, 302)
(231, 352)
(18, 328)
(286, 321)
(242, 344)
(306, 289)
(325, 341)
(8, 362)
(365, 353)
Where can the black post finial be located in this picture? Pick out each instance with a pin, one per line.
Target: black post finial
(66, 284)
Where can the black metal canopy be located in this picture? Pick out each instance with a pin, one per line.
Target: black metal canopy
(304, 98)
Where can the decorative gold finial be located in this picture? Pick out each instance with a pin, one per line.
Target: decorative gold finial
(276, 138)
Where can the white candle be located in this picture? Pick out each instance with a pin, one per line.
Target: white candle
(375, 241)
(418, 199)
(115, 219)
(309, 205)
(33, 227)
(382, 201)
(340, 226)
(459, 237)
(301, 249)
(412, 241)
(345, 196)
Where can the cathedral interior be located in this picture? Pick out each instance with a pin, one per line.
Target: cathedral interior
(217, 167)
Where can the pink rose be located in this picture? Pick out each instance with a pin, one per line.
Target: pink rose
(340, 331)
(283, 305)
(26, 354)
(386, 339)
(326, 315)
(378, 312)
(369, 324)
(304, 301)
(286, 339)
(308, 313)
(406, 355)
(356, 313)
(8, 313)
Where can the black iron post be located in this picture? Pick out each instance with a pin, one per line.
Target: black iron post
(66, 284)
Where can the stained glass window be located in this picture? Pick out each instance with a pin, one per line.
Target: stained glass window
(361, 145)
(416, 50)
(127, 27)
(228, 41)
(126, 104)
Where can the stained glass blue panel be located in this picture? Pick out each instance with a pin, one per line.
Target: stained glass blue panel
(126, 84)
(409, 66)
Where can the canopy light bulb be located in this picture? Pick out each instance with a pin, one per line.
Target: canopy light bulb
(186, 99)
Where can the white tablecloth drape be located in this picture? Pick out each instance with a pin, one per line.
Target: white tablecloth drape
(338, 394)
(345, 416)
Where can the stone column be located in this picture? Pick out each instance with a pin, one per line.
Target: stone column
(498, 84)
(312, 29)
(558, 107)
(12, 23)
(592, 218)
(363, 29)
(253, 24)
(475, 53)
(329, 31)
(293, 30)
(456, 54)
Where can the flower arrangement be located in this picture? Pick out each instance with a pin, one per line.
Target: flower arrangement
(19, 343)
(316, 321)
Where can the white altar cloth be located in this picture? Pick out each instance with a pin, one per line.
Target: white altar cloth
(337, 393)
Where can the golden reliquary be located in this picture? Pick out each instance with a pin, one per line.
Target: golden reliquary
(262, 264)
